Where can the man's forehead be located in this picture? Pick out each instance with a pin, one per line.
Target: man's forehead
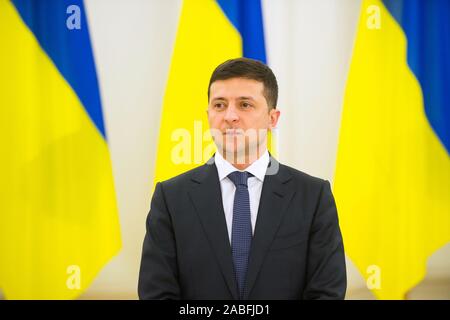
(237, 88)
(237, 82)
(219, 97)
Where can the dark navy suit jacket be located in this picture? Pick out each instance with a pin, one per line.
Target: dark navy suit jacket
(297, 249)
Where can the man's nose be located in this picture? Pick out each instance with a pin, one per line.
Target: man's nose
(231, 114)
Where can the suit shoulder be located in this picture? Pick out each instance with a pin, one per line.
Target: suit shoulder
(183, 178)
(303, 177)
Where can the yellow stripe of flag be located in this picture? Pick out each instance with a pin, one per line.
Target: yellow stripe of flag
(392, 181)
(205, 38)
(58, 214)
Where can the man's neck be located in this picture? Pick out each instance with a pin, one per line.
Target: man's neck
(243, 162)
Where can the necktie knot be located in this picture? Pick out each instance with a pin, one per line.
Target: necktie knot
(239, 178)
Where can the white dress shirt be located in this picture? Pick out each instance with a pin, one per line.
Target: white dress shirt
(257, 169)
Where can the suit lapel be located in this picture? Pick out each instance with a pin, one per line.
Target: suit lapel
(207, 199)
(275, 197)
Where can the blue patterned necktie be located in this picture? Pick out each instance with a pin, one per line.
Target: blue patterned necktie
(241, 232)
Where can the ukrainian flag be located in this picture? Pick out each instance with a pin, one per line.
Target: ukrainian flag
(209, 32)
(58, 214)
(392, 182)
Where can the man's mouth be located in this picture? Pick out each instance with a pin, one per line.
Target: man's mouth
(233, 132)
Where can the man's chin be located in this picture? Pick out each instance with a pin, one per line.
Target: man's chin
(235, 154)
(230, 149)
(235, 151)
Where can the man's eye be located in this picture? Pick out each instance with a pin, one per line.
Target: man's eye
(246, 105)
(218, 105)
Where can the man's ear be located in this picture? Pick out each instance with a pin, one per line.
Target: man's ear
(274, 115)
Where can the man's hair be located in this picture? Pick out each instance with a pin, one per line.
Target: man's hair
(248, 69)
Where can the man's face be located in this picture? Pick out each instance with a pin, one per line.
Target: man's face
(239, 116)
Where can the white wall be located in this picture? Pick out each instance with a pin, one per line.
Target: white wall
(309, 47)
(132, 42)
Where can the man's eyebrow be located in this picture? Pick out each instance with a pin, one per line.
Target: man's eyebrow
(218, 98)
(245, 98)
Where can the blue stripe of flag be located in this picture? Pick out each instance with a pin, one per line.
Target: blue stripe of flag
(70, 50)
(426, 24)
(246, 16)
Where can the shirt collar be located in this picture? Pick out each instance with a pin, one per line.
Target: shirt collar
(257, 168)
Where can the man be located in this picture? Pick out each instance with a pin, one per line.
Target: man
(242, 226)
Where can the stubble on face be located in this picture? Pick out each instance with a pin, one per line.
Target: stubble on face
(239, 119)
